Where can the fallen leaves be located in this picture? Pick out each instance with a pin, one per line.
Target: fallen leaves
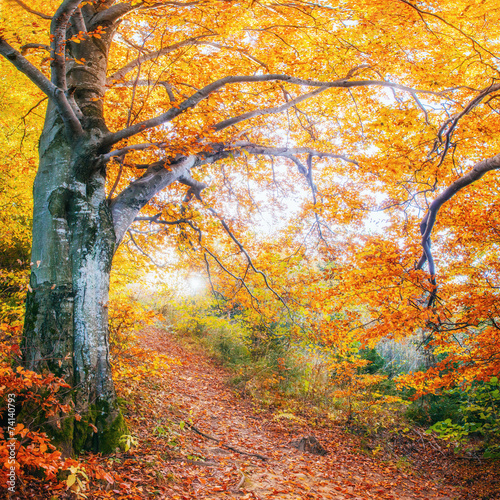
(186, 465)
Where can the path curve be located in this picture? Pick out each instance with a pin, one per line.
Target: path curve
(197, 391)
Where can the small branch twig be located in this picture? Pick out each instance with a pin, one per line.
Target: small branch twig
(249, 260)
(241, 481)
(31, 11)
(232, 448)
(50, 89)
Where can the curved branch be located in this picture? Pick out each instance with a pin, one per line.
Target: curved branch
(25, 67)
(195, 187)
(79, 21)
(427, 224)
(215, 293)
(205, 92)
(284, 151)
(132, 199)
(232, 149)
(450, 125)
(249, 260)
(309, 177)
(118, 75)
(58, 28)
(121, 162)
(112, 14)
(155, 219)
(132, 239)
(134, 147)
(227, 271)
(27, 46)
(436, 16)
(267, 111)
(300, 166)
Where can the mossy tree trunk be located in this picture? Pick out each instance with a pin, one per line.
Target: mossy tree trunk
(76, 229)
(66, 326)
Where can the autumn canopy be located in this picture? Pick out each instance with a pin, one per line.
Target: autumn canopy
(303, 155)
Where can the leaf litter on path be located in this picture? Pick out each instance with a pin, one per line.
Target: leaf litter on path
(173, 461)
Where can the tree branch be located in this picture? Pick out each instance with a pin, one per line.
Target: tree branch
(309, 177)
(68, 115)
(223, 445)
(134, 147)
(205, 92)
(215, 293)
(132, 239)
(118, 75)
(79, 21)
(121, 162)
(31, 11)
(249, 260)
(24, 66)
(427, 224)
(227, 271)
(195, 187)
(142, 82)
(158, 176)
(450, 125)
(225, 151)
(156, 219)
(284, 151)
(58, 28)
(432, 14)
(267, 111)
(112, 14)
(27, 46)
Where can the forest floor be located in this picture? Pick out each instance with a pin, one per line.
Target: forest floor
(190, 424)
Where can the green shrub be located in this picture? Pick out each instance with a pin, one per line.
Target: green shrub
(228, 346)
(431, 408)
(479, 415)
(377, 362)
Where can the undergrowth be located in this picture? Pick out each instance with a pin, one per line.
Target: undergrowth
(29, 463)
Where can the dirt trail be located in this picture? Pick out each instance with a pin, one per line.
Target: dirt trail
(204, 468)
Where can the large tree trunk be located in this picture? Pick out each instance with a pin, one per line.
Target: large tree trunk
(66, 326)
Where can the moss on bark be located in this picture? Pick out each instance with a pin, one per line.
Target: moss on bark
(62, 437)
(109, 438)
(110, 424)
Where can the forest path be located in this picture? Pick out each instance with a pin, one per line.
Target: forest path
(197, 467)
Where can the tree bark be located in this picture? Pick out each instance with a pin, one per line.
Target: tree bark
(66, 325)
